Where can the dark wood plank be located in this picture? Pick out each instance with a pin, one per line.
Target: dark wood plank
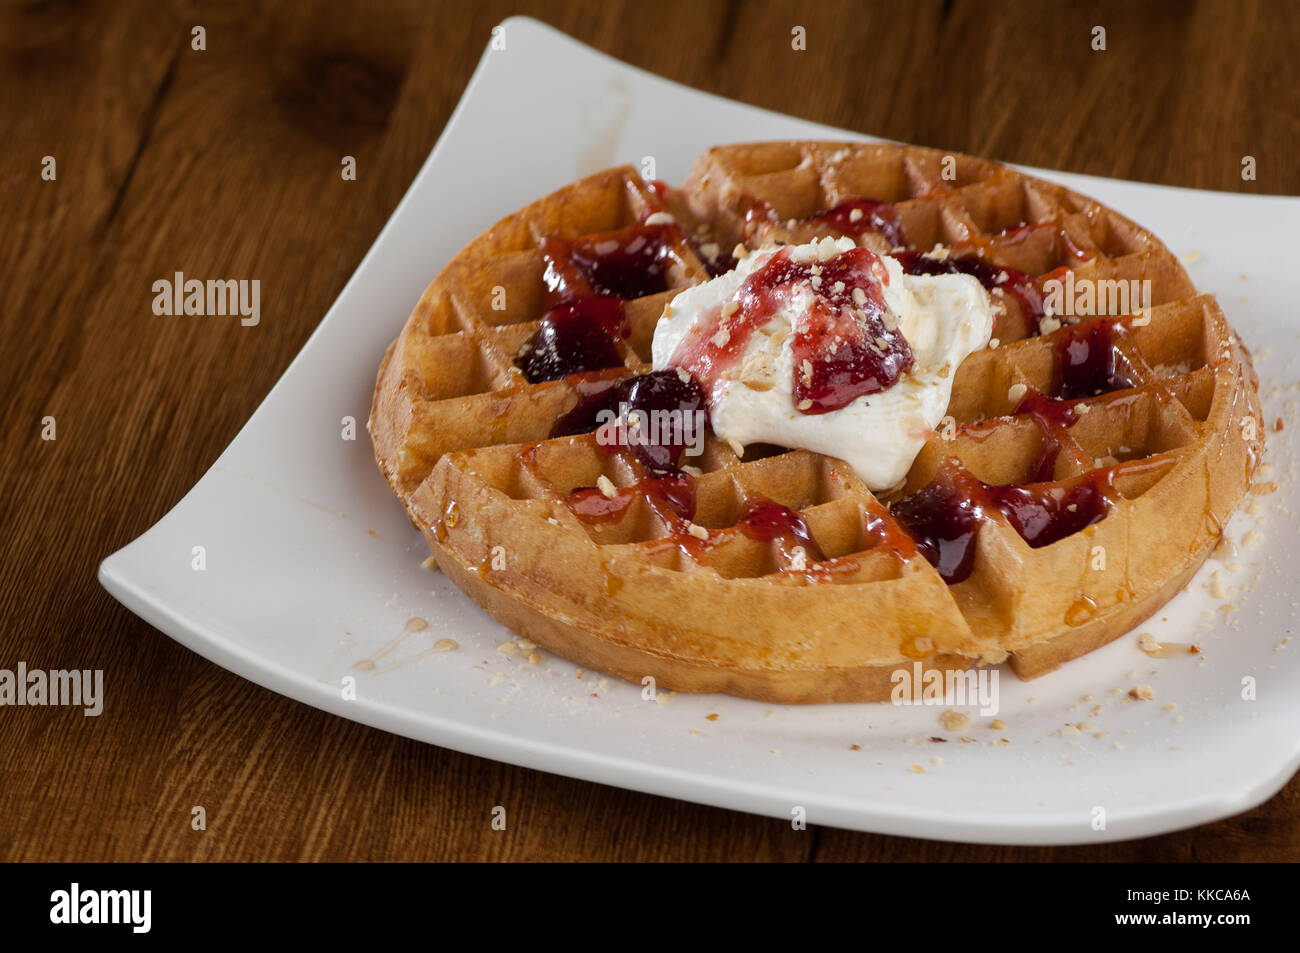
(225, 162)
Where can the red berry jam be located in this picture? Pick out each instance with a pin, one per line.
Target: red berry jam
(842, 347)
(878, 530)
(1043, 513)
(579, 335)
(661, 190)
(759, 216)
(1086, 360)
(597, 398)
(836, 361)
(1015, 283)
(1052, 417)
(719, 263)
(588, 503)
(670, 414)
(628, 263)
(945, 516)
(856, 217)
(675, 492)
(766, 521)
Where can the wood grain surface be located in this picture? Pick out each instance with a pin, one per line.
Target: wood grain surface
(226, 162)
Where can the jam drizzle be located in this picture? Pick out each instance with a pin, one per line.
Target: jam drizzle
(945, 516)
(842, 347)
(578, 335)
(660, 190)
(853, 217)
(669, 406)
(1087, 360)
(668, 411)
(1087, 364)
(719, 263)
(857, 217)
(993, 277)
(627, 263)
(1043, 513)
(674, 492)
(672, 497)
(1053, 417)
(768, 521)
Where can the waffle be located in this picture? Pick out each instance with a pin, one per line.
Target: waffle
(1168, 446)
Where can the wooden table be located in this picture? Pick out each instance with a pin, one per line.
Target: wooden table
(226, 162)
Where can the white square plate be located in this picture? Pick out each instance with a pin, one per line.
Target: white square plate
(311, 566)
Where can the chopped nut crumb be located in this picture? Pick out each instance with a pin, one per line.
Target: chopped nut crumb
(1142, 693)
(955, 720)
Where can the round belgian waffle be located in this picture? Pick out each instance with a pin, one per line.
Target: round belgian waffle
(464, 439)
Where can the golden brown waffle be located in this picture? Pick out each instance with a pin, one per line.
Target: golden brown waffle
(464, 440)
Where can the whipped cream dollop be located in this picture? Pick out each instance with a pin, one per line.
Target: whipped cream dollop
(761, 366)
